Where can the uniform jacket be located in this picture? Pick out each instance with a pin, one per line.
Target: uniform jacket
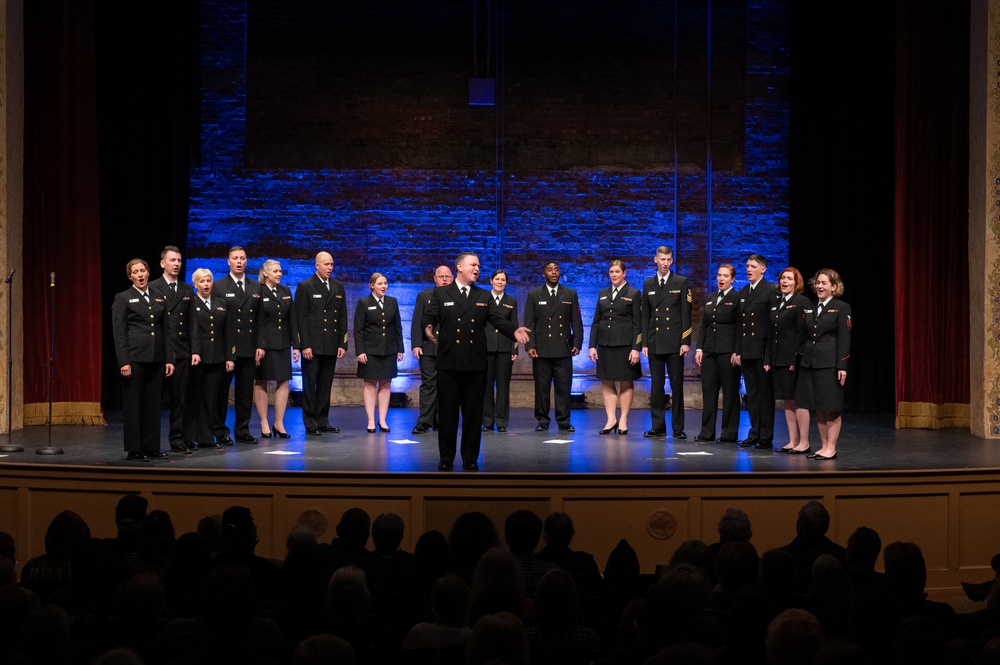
(556, 324)
(617, 323)
(212, 331)
(666, 314)
(377, 332)
(717, 333)
(321, 317)
(754, 320)
(138, 327)
(495, 341)
(462, 326)
(786, 330)
(417, 336)
(827, 340)
(242, 312)
(178, 324)
(276, 318)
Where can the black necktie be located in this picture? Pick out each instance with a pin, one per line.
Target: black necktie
(145, 296)
(208, 304)
(722, 294)
(614, 294)
(239, 287)
(274, 294)
(173, 287)
(552, 293)
(819, 310)
(663, 282)
(465, 291)
(380, 303)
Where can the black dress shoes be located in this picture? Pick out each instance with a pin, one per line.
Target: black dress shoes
(724, 439)
(137, 457)
(703, 439)
(654, 432)
(226, 441)
(445, 466)
(470, 466)
(420, 428)
(247, 438)
(680, 435)
(763, 445)
(819, 457)
(746, 443)
(541, 428)
(567, 428)
(314, 431)
(157, 455)
(501, 429)
(181, 448)
(335, 430)
(487, 429)
(210, 445)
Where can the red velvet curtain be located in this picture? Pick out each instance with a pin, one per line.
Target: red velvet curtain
(931, 225)
(61, 215)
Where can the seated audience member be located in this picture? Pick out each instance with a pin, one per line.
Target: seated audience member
(450, 609)
(470, 537)
(300, 609)
(557, 634)
(388, 531)
(210, 527)
(522, 531)
(496, 585)
(350, 548)
(830, 596)
(906, 577)
(7, 548)
(737, 566)
(324, 650)
(558, 532)
(430, 561)
(734, 527)
(497, 638)
(129, 516)
(184, 581)
(299, 535)
(842, 653)
(46, 573)
(696, 553)
(776, 576)
(810, 542)
(794, 637)
(673, 612)
(863, 548)
(239, 541)
(920, 641)
(46, 639)
(349, 603)
(623, 579)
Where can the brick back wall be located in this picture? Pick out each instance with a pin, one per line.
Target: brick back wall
(589, 171)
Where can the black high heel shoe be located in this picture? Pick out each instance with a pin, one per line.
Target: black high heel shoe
(383, 428)
(281, 435)
(265, 435)
(613, 428)
(621, 431)
(371, 430)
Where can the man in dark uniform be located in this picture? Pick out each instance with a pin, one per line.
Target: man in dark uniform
(461, 311)
(242, 296)
(425, 351)
(321, 313)
(177, 295)
(752, 335)
(666, 330)
(553, 312)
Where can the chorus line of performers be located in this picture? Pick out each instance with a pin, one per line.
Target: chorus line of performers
(195, 341)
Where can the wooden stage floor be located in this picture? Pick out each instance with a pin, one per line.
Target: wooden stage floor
(867, 443)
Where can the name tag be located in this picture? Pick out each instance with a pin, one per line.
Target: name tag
(186, 298)
(808, 311)
(267, 300)
(220, 308)
(317, 295)
(743, 299)
(567, 302)
(626, 299)
(604, 298)
(833, 311)
(482, 304)
(448, 304)
(650, 293)
(230, 295)
(508, 306)
(338, 296)
(133, 300)
(773, 308)
(543, 302)
(677, 291)
(373, 307)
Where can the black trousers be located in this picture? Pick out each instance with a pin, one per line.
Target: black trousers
(661, 364)
(141, 394)
(175, 388)
(317, 381)
(460, 392)
(557, 372)
(760, 400)
(243, 378)
(208, 420)
(496, 407)
(717, 372)
(428, 391)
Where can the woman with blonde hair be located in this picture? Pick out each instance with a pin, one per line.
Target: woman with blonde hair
(278, 333)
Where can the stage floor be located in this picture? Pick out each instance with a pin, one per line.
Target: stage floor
(867, 443)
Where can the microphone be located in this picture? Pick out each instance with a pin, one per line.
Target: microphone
(52, 279)
(10, 276)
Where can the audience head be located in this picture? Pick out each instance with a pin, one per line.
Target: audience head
(521, 531)
(497, 638)
(354, 528)
(734, 526)
(776, 573)
(301, 534)
(66, 532)
(210, 527)
(905, 571)
(793, 637)
(471, 536)
(239, 532)
(558, 530)
(130, 512)
(450, 601)
(623, 566)
(813, 520)
(557, 604)
(496, 566)
(697, 554)
(430, 556)
(920, 641)
(863, 547)
(737, 565)
(324, 650)
(138, 605)
(348, 597)
(46, 637)
(388, 530)
(830, 582)
(7, 548)
(158, 533)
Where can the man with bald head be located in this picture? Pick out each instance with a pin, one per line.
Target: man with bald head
(425, 351)
(321, 313)
(242, 296)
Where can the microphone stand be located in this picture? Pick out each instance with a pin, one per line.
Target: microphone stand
(49, 449)
(10, 447)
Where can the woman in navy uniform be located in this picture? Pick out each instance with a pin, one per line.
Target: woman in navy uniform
(783, 356)
(213, 359)
(716, 358)
(823, 369)
(501, 352)
(277, 328)
(378, 341)
(137, 323)
(615, 343)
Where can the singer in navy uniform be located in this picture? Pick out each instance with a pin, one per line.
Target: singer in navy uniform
(177, 295)
(321, 317)
(425, 351)
(716, 357)
(213, 357)
(787, 312)
(615, 343)
(378, 341)
(243, 299)
(141, 348)
(826, 350)
(666, 330)
(277, 325)
(752, 343)
(461, 311)
(501, 352)
(553, 313)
